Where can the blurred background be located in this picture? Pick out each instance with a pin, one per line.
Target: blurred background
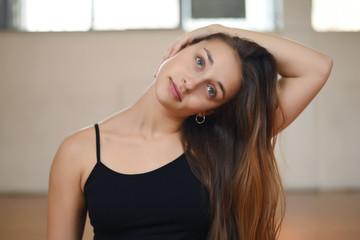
(65, 65)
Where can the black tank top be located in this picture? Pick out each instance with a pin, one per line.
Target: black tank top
(166, 203)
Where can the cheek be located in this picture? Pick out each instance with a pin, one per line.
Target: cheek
(200, 103)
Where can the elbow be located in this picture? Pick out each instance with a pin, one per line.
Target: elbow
(326, 67)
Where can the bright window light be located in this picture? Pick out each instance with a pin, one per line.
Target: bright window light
(336, 15)
(55, 15)
(136, 14)
(84, 15)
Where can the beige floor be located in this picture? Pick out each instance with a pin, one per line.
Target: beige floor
(310, 216)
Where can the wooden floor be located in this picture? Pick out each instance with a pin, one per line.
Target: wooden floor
(310, 216)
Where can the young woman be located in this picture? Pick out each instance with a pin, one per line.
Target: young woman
(193, 158)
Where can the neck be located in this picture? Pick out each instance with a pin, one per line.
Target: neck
(150, 118)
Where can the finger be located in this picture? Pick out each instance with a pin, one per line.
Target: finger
(175, 48)
(169, 53)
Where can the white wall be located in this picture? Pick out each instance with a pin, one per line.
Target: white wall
(52, 84)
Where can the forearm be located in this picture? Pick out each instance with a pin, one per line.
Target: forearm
(293, 59)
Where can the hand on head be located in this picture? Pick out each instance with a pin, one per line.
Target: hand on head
(188, 37)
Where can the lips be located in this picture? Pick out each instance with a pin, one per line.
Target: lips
(175, 91)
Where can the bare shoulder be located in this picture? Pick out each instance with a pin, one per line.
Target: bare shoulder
(75, 144)
(76, 155)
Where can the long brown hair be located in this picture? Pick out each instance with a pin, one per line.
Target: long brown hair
(232, 153)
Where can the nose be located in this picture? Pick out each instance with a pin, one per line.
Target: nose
(187, 85)
(190, 83)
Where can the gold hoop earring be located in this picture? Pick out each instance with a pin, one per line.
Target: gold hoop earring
(199, 119)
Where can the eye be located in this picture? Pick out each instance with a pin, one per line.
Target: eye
(200, 62)
(211, 91)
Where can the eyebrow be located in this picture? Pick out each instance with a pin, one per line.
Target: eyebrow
(222, 88)
(208, 53)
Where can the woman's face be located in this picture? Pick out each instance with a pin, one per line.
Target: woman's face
(199, 78)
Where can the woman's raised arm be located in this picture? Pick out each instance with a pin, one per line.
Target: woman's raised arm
(303, 70)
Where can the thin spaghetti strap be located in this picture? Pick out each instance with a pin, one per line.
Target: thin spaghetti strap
(97, 142)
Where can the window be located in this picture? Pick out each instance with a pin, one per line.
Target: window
(260, 15)
(335, 15)
(85, 15)
(136, 14)
(54, 15)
